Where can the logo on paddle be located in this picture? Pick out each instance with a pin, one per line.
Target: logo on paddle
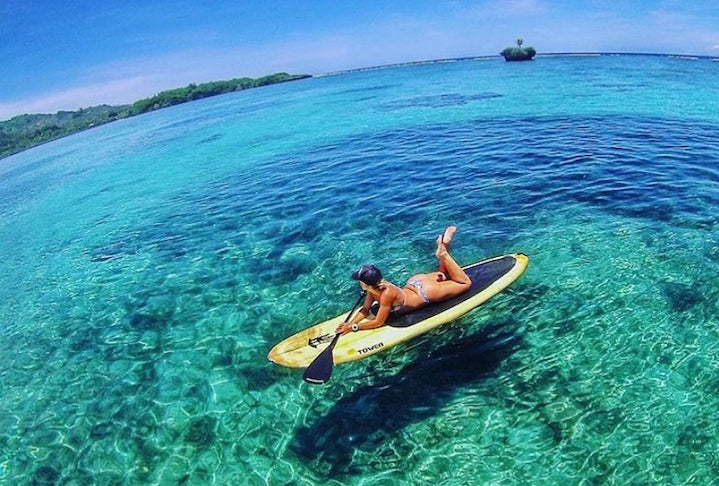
(325, 338)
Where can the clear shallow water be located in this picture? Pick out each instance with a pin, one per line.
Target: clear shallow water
(149, 265)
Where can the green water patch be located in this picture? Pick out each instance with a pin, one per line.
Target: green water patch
(140, 300)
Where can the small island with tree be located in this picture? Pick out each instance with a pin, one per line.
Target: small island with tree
(518, 53)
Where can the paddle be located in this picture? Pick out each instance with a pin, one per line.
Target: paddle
(320, 370)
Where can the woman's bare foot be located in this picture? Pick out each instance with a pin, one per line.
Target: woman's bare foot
(448, 235)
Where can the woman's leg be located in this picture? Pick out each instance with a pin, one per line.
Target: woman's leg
(453, 270)
(446, 240)
(452, 280)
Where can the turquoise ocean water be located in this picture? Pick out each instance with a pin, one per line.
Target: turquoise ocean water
(147, 266)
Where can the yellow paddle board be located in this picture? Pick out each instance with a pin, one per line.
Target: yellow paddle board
(489, 277)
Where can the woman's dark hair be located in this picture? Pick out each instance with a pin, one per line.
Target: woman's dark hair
(368, 274)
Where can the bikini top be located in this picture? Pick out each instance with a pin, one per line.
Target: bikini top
(395, 307)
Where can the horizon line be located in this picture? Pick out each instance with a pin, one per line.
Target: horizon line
(490, 57)
(486, 57)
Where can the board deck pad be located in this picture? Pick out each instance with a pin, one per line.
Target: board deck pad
(489, 277)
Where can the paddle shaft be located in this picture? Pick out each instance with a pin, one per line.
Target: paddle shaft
(320, 369)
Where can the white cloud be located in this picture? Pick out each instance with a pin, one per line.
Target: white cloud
(127, 81)
(108, 92)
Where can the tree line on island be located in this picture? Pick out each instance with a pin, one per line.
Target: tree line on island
(26, 131)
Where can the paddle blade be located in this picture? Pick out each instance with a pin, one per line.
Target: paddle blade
(320, 370)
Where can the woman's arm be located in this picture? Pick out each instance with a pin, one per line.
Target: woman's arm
(364, 311)
(385, 306)
(380, 318)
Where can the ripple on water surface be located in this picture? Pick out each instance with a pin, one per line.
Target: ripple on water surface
(134, 344)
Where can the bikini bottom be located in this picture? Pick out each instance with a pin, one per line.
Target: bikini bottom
(417, 284)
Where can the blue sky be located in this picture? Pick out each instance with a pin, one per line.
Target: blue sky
(68, 54)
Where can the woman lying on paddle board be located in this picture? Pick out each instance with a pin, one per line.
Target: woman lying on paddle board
(420, 289)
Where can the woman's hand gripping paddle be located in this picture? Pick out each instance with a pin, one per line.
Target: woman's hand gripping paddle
(320, 370)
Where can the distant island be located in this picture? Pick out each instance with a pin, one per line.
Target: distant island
(518, 53)
(26, 131)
